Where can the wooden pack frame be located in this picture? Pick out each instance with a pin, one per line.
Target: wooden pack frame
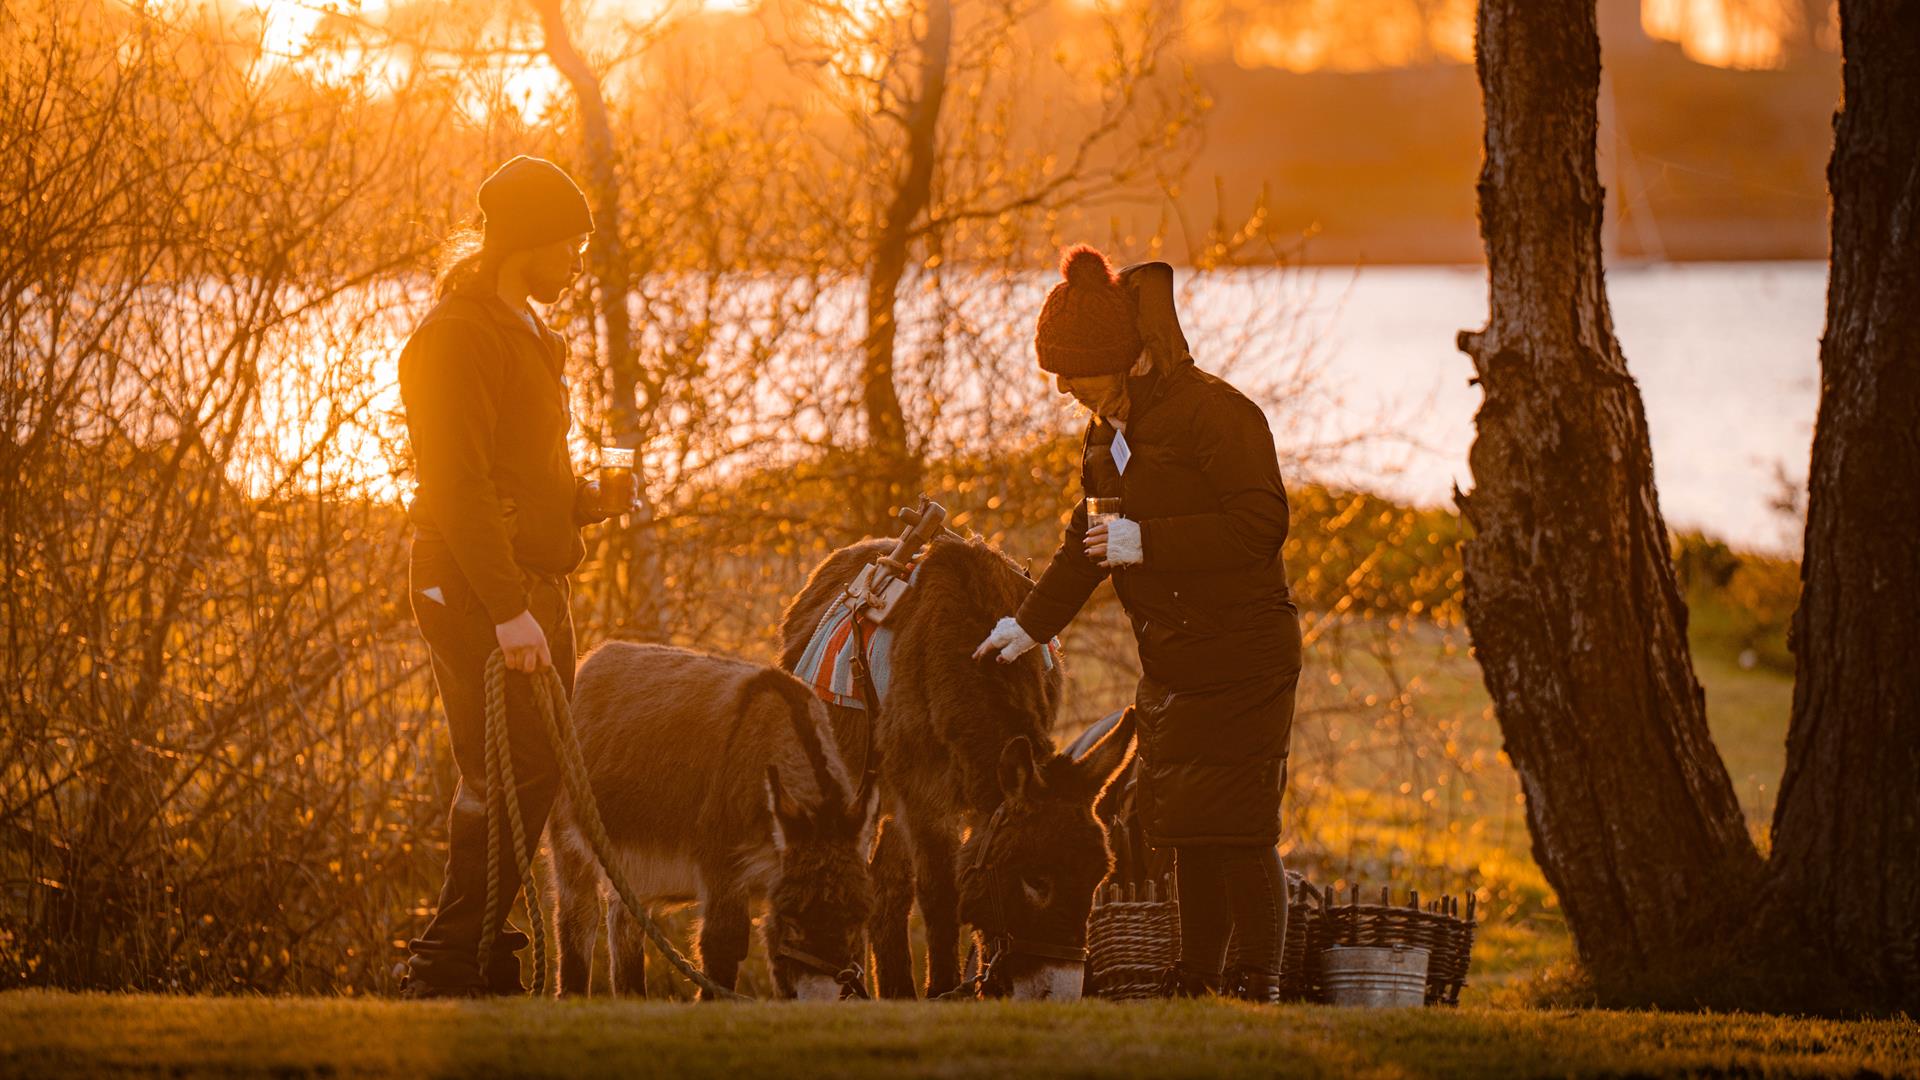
(878, 587)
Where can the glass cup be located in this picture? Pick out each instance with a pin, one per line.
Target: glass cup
(1102, 509)
(616, 479)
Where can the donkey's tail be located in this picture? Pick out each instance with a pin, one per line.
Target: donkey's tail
(799, 700)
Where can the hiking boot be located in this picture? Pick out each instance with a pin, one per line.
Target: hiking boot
(1252, 984)
(1178, 982)
(436, 974)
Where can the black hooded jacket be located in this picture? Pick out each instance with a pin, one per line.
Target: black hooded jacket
(1204, 483)
(1218, 635)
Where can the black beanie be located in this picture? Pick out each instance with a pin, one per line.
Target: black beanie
(529, 202)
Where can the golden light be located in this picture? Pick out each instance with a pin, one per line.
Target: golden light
(285, 28)
(292, 35)
(1732, 35)
(1329, 35)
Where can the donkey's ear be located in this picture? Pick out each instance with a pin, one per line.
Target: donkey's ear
(1103, 759)
(1019, 772)
(787, 814)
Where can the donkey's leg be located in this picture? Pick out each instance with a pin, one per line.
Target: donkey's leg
(576, 910)
(726, 928)
(934, 850)
(892, 872)
(626, 948)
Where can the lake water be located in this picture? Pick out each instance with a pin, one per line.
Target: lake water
(1726, 355)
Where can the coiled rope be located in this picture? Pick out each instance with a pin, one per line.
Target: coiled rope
(503, 807)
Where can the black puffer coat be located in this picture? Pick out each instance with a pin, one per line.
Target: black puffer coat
(1218, 634)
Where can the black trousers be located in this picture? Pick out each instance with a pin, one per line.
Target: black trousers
(460, 637)
(1236, 894)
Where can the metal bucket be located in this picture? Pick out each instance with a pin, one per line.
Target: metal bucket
(1376, 977)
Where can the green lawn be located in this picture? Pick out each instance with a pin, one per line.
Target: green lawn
(1425, 799)
(57, 1034)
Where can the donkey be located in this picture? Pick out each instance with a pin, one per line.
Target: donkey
(986, 823)
(719, 782)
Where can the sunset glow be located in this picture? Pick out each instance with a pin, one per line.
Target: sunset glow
(1727, 33)
(1315, 35)
(1006, 474)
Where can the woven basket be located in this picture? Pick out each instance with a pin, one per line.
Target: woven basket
(1133, 937)
(1441, 927)
(1299, 979)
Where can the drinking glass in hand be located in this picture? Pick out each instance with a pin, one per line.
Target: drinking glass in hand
(1101, 510)
(616, 479)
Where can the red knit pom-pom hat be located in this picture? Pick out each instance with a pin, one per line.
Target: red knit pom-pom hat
(1088, 325)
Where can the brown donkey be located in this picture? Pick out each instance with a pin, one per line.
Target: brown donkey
(986, 825)
(719, 782)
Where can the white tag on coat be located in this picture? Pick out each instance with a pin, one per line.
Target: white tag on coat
(1122, 453)
(433, 593)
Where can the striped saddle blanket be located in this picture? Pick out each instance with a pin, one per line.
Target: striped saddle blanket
(827, 663)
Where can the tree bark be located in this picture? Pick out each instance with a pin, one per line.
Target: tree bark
(894, 469)
(1570, 595)
(608, 260)
(1846, 849)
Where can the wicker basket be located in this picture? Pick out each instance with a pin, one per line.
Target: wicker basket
(1299, 979)
(1133, 937)
(1441, 927)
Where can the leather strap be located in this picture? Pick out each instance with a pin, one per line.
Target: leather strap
(852, 979)
(869, 693)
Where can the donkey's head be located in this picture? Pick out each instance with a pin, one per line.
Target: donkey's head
(822, 896)
(1027, 876)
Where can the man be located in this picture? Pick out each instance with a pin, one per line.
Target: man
(496, 513)
(1195, 560)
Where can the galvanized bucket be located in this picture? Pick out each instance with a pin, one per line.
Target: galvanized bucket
(1376, 977)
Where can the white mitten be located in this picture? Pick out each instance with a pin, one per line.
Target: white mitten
(1123, 543)
(1008, 638)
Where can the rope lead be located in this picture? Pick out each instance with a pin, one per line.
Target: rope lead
(503, 802)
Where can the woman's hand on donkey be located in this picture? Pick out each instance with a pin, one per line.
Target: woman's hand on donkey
(523, 644)
(1008, 638)
(1115, 542)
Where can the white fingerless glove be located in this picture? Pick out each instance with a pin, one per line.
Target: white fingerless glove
(1123, 543)
(1008, 638)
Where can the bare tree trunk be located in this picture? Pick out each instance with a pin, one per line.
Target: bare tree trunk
(610, 269)
(895, 469)
(1846, 845)
(1570, 594)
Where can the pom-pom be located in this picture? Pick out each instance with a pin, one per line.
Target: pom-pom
(1086, 267)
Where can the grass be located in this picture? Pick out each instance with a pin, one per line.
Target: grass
(1399, 777)
(1356, 806)
(48, 1034)
(1427, 800)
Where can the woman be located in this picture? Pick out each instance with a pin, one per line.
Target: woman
(1195, 560)
(497, 514)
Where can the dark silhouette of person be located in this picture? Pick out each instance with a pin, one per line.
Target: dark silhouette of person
(1195, 559)
(497, 514)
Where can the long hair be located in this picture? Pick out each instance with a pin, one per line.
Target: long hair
(465, 262)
